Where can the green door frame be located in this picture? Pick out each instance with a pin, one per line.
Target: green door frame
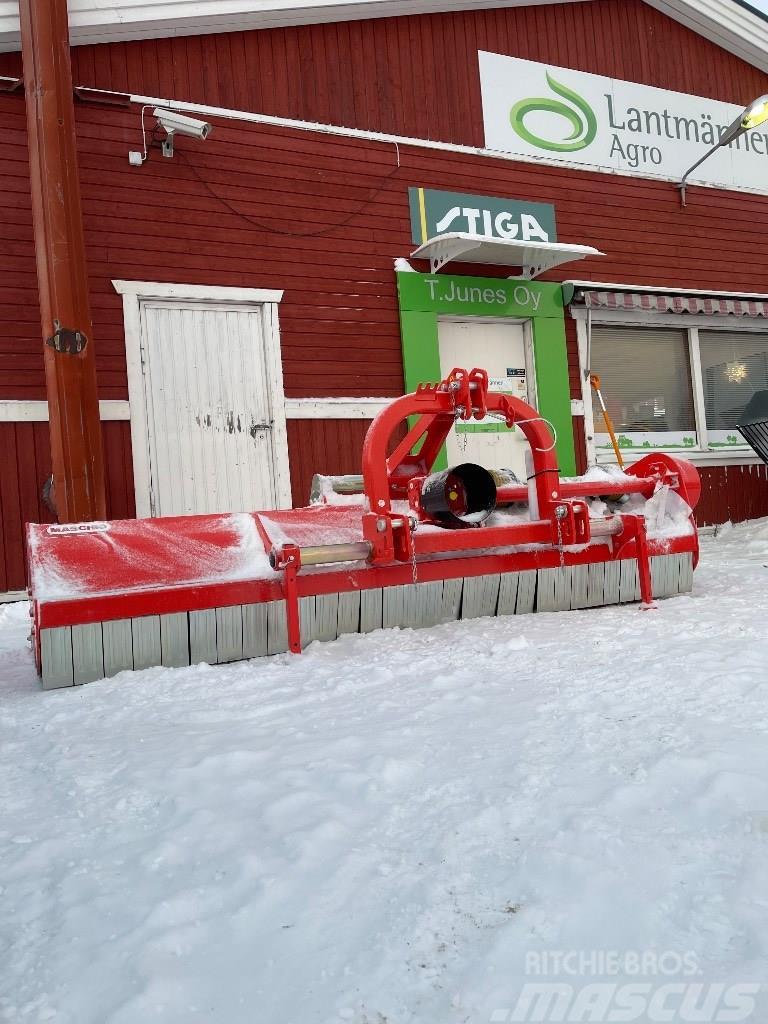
(425, 297)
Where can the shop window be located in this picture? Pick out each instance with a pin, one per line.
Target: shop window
(734, 370)
(646, 385)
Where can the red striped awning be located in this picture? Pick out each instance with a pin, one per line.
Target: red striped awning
(660, 303)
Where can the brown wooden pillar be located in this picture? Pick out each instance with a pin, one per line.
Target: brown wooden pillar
(70, 369)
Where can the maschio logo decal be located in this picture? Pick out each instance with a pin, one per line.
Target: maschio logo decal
(582, 119)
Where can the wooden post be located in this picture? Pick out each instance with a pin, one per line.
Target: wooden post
(70, 368)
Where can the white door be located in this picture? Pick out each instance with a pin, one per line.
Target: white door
(501, 349)
(209, 411)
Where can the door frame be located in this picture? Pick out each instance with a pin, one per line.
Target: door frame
(512, 321)
(528, 357)
(263, 301)
(423, 298)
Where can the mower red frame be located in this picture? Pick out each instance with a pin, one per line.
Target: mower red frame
(561, 518)
(133, 569)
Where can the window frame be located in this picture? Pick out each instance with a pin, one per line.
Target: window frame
(691, 323)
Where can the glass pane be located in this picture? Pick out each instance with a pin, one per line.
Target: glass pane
(734, 370)
(646, 385)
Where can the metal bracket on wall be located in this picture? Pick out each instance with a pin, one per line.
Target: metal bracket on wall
(67, 339)
(532, 270)
(8, 84)
(443, 253)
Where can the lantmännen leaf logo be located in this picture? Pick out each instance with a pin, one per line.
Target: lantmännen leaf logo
(582, 119)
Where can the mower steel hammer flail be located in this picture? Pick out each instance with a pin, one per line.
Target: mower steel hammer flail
(415, 548)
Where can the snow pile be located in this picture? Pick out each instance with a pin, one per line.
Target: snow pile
(739, 543)
(247, 560)
(328, 496)
(666, 514)
(323, 491)
(397, 828)
(604, 474)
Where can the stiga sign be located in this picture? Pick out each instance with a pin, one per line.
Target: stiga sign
(434, 212)
(553, 113)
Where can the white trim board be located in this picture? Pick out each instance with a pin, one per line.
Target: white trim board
(12, 411)
(195, 292)
(582, 343)
(661, 289)
(12, 596)
(400, 140)
(699, 458)
(136, 292)
(103, 21)
(726, 24)
(334, 408)
(647, 318)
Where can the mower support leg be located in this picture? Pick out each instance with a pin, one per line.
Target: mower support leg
(643, 564)
(292, 609)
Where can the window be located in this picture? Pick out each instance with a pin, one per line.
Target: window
(657, 400)
(734, 369)
(646, 385)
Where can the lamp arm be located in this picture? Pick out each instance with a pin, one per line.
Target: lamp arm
(752, 116)
(693, 167)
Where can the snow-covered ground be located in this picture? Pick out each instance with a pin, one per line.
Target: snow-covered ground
(403, 828)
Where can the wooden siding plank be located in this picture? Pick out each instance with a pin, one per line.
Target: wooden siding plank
(12, 523)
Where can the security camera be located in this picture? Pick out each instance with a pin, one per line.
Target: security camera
(171, 121)
(174, 122)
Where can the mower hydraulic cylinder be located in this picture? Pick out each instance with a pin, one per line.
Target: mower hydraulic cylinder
(323, 554)
(606, 527)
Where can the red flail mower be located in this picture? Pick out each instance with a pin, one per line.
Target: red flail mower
(411, 548)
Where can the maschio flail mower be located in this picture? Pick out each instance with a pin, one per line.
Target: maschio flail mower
(415, 548)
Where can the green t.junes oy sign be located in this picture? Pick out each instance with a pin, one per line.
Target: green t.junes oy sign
(479, 296)
(434, 212)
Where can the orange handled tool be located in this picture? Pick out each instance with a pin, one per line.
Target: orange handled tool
(594, 380)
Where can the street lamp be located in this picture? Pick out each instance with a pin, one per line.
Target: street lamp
(752, 116)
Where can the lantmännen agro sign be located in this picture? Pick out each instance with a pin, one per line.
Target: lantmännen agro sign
(434, 212)
(553, 113)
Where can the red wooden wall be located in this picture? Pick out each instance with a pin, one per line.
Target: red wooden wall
(732, 493)
(323, 217)
(25, 465)
(325, 446)
(414, 76)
